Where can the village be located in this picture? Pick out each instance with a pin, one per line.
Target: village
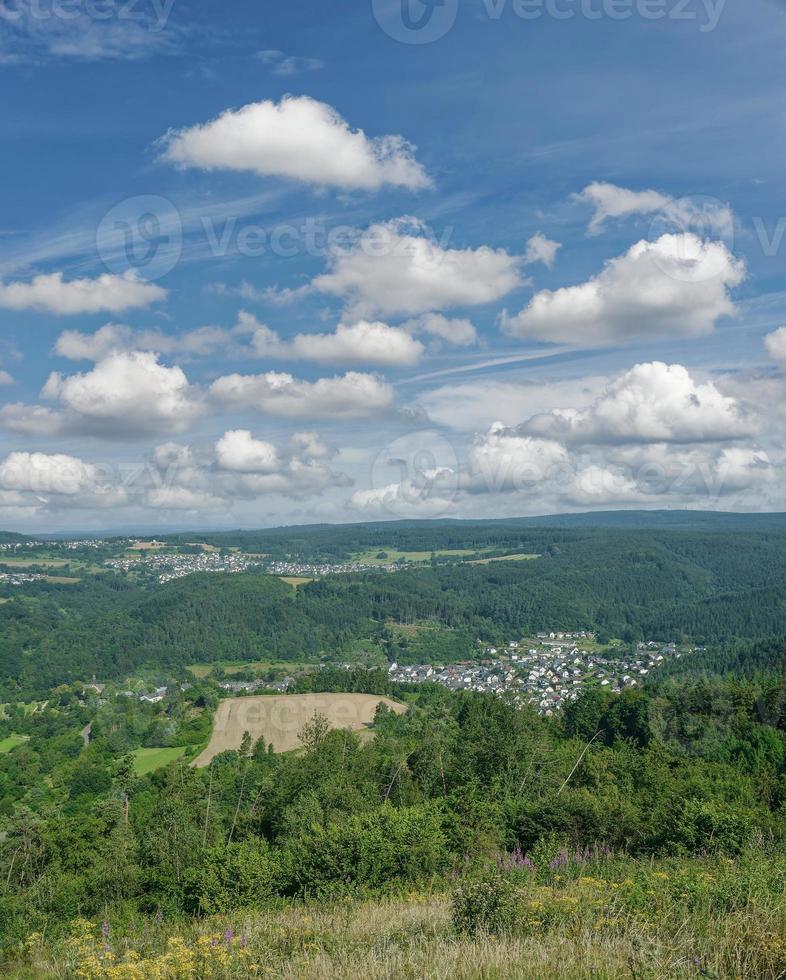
(174, 566)
(20, 578)
(545, 671)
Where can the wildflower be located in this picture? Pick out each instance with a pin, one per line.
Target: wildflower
(229, 935)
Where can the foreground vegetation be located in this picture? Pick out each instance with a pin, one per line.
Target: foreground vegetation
(642, 833)
(708, 917)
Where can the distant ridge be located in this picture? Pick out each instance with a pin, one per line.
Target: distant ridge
(698, 520)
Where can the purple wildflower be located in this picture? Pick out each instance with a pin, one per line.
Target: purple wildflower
(229, 935)
(516, 860)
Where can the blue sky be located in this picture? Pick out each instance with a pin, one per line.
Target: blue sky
(298, 264)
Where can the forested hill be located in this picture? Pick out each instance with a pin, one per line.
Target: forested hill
(324, 541)
(706, 588)
(439, 530)
(11, 537)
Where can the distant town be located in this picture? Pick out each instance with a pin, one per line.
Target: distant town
(546, 670)
(174, 566)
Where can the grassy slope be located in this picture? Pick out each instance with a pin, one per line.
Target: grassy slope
(7, 744)
(689, 918)
(148, 760)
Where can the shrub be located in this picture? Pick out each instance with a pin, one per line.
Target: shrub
(709, 825)
(240, 875)
(367, 850)
(485, 906)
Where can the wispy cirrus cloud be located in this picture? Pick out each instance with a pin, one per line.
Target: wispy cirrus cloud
(112, 30)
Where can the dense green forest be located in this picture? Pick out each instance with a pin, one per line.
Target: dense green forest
(709, 588)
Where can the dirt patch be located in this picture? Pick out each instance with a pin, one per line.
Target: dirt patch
(278, 718)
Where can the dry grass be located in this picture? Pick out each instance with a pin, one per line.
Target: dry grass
(279, 719)
(412, 937)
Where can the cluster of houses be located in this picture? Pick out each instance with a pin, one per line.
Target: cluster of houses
(546, 672)
(53, 545)
(19, 578)
(173, 566)
(314, 570)
(249, 687)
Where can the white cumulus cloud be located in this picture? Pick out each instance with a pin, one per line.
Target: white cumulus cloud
(351, 395)
(776, 344)
(611, 201)
(105, 294)
(653, 402)
(126, 392)
(239, 450)
(397, 268)
(677, 285)
(115, 337)
(453, 330)
(298, 138)
(47, 473)
(502, 460)
(363, 342)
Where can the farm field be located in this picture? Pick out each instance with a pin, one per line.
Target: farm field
(148, 760)
(295, 580)
(488, 561)
(278, 719)
(231, 667)
(39, 562)
(370, 557)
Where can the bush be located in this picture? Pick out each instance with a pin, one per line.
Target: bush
(709, 825)
(240, 875)
(367, 850)
(485, 906)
